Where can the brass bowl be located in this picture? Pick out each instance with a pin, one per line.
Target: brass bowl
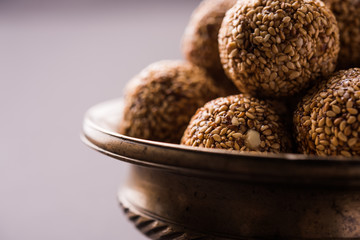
(180, 192)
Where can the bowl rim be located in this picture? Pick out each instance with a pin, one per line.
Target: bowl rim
(176, 157)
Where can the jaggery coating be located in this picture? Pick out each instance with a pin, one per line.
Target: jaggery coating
(347, 13)
(238, 122)
(160, 101)
(277, 48)
(327, 120)
(200, 41)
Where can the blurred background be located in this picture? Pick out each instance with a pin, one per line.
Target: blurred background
(57, 59)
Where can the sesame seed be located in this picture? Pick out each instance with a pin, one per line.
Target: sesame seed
(320, 147)
(267, 132)
(342, 125)
(349, 104)
(275, 146)
(223, 108)
(202, 129)
(345, 153)
(352, 111)
(323, 94)
(216, 137)
(337, 121)
(223, 131)
(294, 74)
(286, 19)
(249, 115)
(347, 131)
(351, 120)
(217, 120)
(330, 114)
(334, 141)
(327, 130)
(307, 123)
(208, 143)
(352, 142)
(342, 137)
(336, 109)
(237, 135)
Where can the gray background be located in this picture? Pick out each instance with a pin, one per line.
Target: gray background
(57, 59)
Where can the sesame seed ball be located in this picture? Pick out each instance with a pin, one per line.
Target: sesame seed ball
(347, 13)
(161, 99)
(276, 48)
(327, 120)
(238, 122)
(200, 41)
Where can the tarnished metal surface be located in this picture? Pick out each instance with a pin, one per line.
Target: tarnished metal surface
(227, 195)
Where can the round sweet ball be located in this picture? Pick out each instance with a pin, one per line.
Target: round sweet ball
(200, 40)
(276, 48)
(347, 13)
(238, 122)
(160, 101)
(327, 120)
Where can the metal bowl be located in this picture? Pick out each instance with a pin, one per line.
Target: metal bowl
(180, 192)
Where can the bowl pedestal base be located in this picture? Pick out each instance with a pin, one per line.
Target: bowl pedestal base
(173, 205)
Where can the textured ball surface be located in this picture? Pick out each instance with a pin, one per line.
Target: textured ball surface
(160, 100)
(200, 40)
(347, 13)
(327, 121)
(237, 122)
(277, 48)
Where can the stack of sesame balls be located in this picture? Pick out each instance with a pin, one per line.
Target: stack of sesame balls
(259, 76)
